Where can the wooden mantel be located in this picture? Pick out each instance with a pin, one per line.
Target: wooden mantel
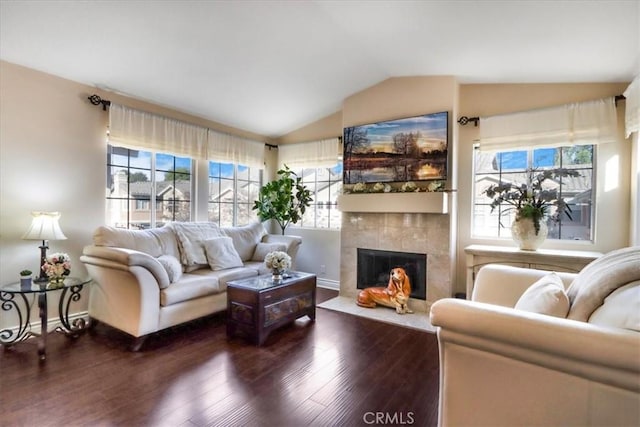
(427, 202)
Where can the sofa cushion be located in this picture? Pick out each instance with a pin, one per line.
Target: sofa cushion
(221, 254)
(545, 296)
(202, 283)
(172, 266)
(155, 241)
(600, 278)
(262, 249)
(190, 237)
(621, 309)
(245, 238)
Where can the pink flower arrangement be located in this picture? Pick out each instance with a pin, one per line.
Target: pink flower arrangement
(57, 265)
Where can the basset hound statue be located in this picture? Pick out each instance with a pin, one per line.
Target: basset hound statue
(395, 295)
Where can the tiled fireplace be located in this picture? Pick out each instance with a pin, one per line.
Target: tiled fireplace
(421, 233)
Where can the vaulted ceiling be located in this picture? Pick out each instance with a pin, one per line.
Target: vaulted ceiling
(270, 67)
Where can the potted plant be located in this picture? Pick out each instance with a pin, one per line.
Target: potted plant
(25, 278)
(531, 202)
(284, 199)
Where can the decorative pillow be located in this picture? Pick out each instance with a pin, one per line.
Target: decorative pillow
(172, 267)
(546, 296)
(262, 249)
(221, 254)
(245, 238)
(621, 309)
(190, 236)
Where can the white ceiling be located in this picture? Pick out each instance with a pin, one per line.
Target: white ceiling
(270, 67)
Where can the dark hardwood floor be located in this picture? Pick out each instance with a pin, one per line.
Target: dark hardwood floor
(341, 370)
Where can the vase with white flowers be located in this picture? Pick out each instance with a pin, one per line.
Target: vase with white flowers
(57, 267)
(278, 262)
(532, 202)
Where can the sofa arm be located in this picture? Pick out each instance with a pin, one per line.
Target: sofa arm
(504, 284)
(558, 344)
(292, 242)
(122, 258)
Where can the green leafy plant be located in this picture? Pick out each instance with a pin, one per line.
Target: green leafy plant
(284, 200)
(26, 273)
(532, 200)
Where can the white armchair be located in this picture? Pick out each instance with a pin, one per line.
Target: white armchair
(502, 366)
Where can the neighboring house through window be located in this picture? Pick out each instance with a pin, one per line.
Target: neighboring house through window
(136, 178)
(233, 189)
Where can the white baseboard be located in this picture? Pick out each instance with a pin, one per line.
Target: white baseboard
(52, 323)
(328, 284)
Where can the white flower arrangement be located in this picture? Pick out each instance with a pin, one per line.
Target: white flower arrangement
(57, 265)
(277, 260)
(409, 187)
(359, 187)
(377, 188)
(406, 187)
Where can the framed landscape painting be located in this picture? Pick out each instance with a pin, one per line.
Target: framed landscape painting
(409, 149)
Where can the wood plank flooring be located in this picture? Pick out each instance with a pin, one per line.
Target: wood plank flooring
(341, 370)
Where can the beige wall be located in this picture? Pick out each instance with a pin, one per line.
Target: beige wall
(325, 128)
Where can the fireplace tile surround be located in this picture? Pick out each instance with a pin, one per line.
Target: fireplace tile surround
(402, 232)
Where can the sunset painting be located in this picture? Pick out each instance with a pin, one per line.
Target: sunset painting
(410, 149)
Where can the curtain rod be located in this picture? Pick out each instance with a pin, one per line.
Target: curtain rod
(96, 100)
(463, 120)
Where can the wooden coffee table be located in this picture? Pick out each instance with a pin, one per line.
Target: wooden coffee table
(257, 306)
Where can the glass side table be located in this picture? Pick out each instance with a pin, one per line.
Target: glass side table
(16, 297)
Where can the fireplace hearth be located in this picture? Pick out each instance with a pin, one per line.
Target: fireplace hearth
(374, 266)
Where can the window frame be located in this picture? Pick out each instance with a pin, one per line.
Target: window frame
(530, 153)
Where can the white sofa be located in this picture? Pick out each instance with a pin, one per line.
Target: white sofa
(506, 366)
(149, 280)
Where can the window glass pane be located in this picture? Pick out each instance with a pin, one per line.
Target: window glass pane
(243, 172)
(485, 162)
(578, 156)
(546, 158)
(511, 160)
(226, 214)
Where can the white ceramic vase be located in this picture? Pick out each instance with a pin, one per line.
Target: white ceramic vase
(523, 232)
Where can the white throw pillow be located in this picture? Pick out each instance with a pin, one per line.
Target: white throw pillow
(621, 309)
(546, 296)
(172, 266)
(262, 249)
(221, 254)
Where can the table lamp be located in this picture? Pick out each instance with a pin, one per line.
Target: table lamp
(44, 226)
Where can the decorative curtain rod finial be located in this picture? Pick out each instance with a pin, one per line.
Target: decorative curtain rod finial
(96, 100)
(464, 120)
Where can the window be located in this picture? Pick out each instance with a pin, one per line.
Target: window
(326, 185)
(233, 189)
(135, 178)
(512, 166)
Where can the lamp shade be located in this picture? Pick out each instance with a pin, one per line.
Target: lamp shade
(44, 226)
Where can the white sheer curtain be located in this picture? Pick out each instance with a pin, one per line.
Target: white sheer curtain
(584, 123)
(632, 129)
(223, 147)
(315, 154)
(140, 130)
(632, 112)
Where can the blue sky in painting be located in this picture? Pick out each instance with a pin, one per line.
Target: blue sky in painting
(432, 127)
